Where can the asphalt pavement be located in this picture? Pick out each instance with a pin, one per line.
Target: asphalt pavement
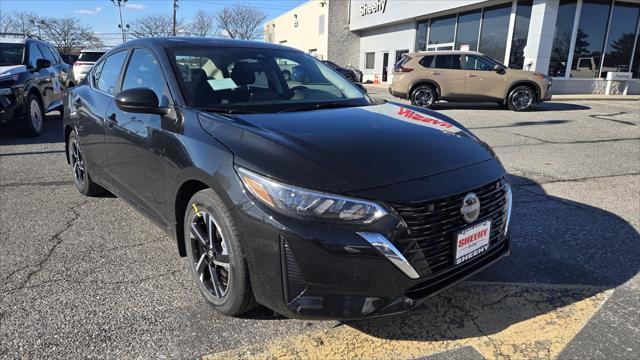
(89, 277)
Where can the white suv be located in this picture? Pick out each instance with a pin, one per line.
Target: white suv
(85, 62)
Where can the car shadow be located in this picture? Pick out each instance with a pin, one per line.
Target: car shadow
(545, 106)
(562, 252)
(51, 133)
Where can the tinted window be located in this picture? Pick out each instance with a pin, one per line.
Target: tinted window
(421, 37)
(621, 37)
(110, 72)
(34, 55)
(48, 54)
(448, 62)
(95, 74)
(468, 30)
(493, 39)
(427, 61)
(520, 33)
(90, 56)
(11, 54)
(400, 54)
(479, 63)
(144, 71)
(590, 37)
(562, 38)
(442, 30)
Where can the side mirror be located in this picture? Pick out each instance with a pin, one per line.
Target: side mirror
(139, 100)
(497, 68)
(42, 63)
(361, 87)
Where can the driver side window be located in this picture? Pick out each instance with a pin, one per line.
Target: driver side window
(478, 63)
(34, 55)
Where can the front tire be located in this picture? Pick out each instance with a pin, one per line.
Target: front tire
(34, 117)
(423, 96)
(521, 98)
(217, 262)
(81, 177)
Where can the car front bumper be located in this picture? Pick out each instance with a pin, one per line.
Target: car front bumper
(11, 106)
(316, 270)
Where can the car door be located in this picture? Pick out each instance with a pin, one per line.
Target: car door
(135, 141)
(57, 74)
(483, 82)
(42, 77)
(89, 103)
(447, 72)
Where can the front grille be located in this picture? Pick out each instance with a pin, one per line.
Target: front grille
(428, 240)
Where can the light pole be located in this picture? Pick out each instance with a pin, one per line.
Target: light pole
(119, 4)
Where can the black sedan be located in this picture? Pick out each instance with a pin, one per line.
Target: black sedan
(313, 200)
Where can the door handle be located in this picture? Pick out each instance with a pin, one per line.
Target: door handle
(112, 120)
(435, 72)
(472, 75)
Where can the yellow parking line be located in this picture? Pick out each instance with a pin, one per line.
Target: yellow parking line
(498, 320)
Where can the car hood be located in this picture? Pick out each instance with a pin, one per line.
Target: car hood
(12, 69)
(347, 149)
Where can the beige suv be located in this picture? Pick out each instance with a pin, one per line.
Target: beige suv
(426, 77)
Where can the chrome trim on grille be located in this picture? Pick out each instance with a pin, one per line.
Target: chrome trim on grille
(509, 203)
(386, 248)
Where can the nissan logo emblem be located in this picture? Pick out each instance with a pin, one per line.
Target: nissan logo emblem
(470, 209)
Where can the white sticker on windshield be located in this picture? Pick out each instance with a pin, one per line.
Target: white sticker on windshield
(222, 84)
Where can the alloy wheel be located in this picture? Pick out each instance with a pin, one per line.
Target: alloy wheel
(36, 115)
(522, 98)
(77, 163)
(210, 254)
(423, 97)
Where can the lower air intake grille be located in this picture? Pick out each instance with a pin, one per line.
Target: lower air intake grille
(294, 282)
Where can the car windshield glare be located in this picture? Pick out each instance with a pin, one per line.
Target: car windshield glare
(11, 54)
(268, 80)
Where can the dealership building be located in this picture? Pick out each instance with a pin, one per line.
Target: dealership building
(587, 46)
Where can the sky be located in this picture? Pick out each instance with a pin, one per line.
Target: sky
(103, 16)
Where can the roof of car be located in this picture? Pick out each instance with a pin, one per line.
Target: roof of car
(18, 38)
(445, 52)
(168, 42)
(94, 50)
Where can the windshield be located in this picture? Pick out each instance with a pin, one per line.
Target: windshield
(11, 54)
(90, 56)
(264, 80)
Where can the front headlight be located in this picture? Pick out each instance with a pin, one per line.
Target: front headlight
(301, 203)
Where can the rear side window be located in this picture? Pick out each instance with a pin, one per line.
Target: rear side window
(90, 56)
(110, 72)
(447, 62)
(427, 61)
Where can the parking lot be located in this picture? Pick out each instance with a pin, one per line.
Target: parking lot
(90, 277)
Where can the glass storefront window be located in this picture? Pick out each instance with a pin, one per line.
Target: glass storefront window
(421, 36)
(562, 38)
(636, 60)
(442, 30)
(590, 38)
(622, 35)
(520, 33)
(468, 30)
(493, 38)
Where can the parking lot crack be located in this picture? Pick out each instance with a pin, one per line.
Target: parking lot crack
(57, 240)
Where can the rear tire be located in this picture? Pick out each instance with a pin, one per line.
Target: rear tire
(81, 177)
(423, 96)
(34, 116)
(217, 264)
(521, 98)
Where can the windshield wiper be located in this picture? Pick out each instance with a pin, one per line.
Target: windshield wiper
(316, 106)
(222, 110)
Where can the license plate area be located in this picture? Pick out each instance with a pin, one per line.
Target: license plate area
(472, 241)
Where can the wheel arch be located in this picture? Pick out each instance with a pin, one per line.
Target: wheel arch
(67, 132)
(424, 82)
(529, 83)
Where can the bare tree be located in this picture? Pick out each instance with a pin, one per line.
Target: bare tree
(155, 25)
(67, 34)
(202, 24)
(19, 22)
(241, 21)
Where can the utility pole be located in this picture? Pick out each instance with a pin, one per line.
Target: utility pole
(119, 4)
(175, 10)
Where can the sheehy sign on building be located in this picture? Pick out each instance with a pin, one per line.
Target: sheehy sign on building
(373, 7)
